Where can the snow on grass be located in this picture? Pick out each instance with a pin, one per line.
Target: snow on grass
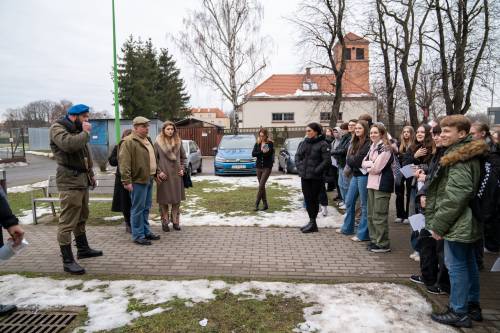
(113, 218)
(26, 216)
(351, 307)
(27, 188)
(40, 153)
(295, 217)
(13, 165)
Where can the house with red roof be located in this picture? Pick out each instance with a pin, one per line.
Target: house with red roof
(298, 99)
(211, 115)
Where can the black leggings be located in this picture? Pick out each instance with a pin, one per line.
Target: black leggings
(311, 189)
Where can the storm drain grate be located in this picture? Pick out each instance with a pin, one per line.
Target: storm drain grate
(36, 322)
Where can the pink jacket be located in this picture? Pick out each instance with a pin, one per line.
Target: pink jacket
(375, 161)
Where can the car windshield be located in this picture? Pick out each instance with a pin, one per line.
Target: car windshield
(294, 144)
(237, 142)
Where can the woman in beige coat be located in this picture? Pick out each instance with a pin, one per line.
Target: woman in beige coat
(170, 190)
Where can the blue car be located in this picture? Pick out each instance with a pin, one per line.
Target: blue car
(234, 155)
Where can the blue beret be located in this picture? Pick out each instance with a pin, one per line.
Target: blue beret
(78, 109)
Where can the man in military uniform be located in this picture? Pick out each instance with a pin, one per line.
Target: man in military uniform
(69, 137)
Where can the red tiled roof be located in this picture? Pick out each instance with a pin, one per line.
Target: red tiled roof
(288, 84)
(218, 112)
(351, 37)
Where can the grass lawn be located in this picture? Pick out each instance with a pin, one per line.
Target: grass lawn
(227, 313)
(201, 199)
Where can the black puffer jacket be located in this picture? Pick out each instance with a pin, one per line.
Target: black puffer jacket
(264, 160)
(354, 161)
(312, 158)
(340, 152)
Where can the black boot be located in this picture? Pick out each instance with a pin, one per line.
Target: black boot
(311, 227)
(266, 207)
(69, 263)
(7, 309)
(305, 225)
(475, 312)
(84, 251)
(257, 205)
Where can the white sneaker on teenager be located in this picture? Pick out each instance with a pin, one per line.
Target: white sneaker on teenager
(343, 206)
(398, 220)
(324, 210)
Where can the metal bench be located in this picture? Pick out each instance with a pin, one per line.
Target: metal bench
(105, 185)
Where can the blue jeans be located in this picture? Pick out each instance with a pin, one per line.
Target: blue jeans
(141, 198)
(343, 183)
(357, 187)
(464, 274)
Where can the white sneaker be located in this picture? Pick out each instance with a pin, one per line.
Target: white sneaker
(417, 258)
(413, 255)
(343, 206)
(340, 203)
(406, 221)
(324, 210)
(398, 220)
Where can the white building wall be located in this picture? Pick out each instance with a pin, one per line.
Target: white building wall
(258, 113)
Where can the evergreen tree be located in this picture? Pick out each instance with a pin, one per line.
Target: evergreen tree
(150, 84)
(171, 92)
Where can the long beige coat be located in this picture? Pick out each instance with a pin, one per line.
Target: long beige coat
(170, 191)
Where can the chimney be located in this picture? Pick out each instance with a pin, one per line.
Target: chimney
(308, 73)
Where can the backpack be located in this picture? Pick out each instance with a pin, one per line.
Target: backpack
(484, 204)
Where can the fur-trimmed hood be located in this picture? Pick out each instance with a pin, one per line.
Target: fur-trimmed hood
(464, 151)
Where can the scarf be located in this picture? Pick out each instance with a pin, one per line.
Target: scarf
(169, 150)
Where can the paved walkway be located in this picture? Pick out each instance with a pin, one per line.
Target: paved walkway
(249, 252)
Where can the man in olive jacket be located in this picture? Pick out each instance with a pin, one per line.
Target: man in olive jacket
(449, 217)
(138, 168)
(69, 137)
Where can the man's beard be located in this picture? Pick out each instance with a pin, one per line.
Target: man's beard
(78, 125)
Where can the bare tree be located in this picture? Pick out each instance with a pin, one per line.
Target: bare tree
(463, 43)
(221, 40)
(429, 95)
(33, 114)
(410, 18)
(60, 110)
(321, 26)
(388, 40)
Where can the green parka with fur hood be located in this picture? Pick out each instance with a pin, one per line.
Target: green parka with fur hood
(447, 210)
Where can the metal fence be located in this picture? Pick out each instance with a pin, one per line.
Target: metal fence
(38, 138)
(12, 145)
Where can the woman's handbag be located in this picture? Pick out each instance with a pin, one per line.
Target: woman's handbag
(186, 179)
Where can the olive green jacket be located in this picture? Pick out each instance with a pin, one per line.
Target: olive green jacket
(72, 154)
(450, 191)
(133, 160)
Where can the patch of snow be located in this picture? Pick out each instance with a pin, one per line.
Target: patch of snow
(13, 165)
(39, 153)
(203, 322)
(26, 216)
(300, 92)
(113, 218)
(350, 307)
(261, 94)
(193, 215)
(154, 311)
(27, 188)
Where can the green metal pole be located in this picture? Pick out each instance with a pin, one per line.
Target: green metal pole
(115, 76)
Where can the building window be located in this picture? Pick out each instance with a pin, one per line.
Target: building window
(283, 116)
(308, 86)
(325, 116)
(347, 54)
(360, 54)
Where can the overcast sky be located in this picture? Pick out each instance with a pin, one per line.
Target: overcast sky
(62, 49)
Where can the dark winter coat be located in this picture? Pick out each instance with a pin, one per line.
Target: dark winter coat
(432, 170)
(69, 144)
(312, 158)
(452, 188)
(121, 197)
(331, 174)
(422, 162)
(7, 218)
(354, 161)
(340, 153)
(264, 160)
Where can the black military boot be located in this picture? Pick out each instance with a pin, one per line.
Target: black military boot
(311, 227)
(69, 263)
(84, 251)
(306, 225)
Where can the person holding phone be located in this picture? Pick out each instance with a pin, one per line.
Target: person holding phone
(263, 151)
